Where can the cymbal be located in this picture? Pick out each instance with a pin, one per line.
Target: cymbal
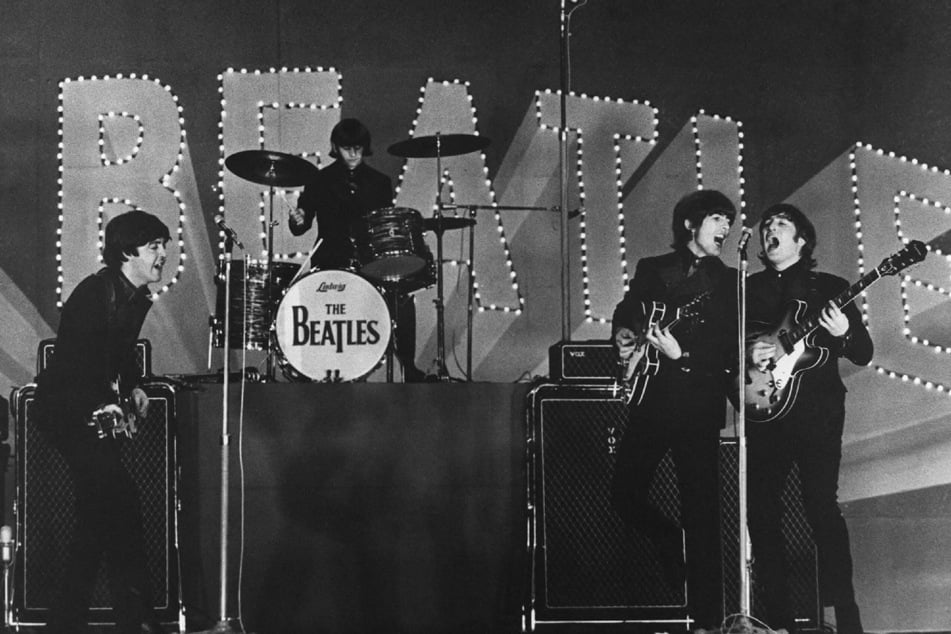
(448, 145)
(447, 223)
(275, 169)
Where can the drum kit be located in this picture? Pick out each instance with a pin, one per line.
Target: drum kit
(335, 325)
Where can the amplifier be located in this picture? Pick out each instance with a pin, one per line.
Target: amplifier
(143, 355)
(592, 361)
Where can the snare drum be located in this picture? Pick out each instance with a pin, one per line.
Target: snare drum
(332, 326)
(393, 247)
(251, 309)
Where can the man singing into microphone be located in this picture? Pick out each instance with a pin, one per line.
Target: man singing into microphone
(94, 369)
(684, 405)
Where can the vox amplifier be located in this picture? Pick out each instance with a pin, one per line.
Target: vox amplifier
(591, 361)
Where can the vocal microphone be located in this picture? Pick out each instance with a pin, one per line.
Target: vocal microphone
(744, 238)
(228, 231)
(6, 545)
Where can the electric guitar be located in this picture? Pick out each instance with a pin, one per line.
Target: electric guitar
(635, 371)
(113, 420)
(769, 394)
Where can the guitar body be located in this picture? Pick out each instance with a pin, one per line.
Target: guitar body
(769, 394)
(645, 362)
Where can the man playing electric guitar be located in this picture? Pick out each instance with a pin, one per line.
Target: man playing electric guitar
(684, 404)
(809, 432)
(79, 399)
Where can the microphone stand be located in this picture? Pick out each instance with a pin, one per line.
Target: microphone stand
(224, 626)
(563, 176)
(743, 624)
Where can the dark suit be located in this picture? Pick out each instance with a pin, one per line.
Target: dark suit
(811, 436)
(682, 412)
(340, 200)
(95, 345)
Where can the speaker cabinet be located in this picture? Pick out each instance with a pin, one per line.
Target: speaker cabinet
(586, 566)
(45, 511)
(799, 546)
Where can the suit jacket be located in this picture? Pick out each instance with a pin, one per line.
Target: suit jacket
(340, 200)
(770, 294)
(95, 345)
(689, 390)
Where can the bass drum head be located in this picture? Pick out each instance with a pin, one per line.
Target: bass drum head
(332, 326)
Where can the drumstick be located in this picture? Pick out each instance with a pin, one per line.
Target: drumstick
(305, 265)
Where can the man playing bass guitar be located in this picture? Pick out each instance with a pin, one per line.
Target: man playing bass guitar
(809, 432)
(86, 395)
(683, 407)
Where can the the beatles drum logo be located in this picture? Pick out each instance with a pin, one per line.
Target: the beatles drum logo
(334, 330)
(333, 323)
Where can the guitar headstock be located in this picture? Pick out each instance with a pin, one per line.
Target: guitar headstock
(914, 253)
(692, 309)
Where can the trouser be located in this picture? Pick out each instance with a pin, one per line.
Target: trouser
(695, 452)
(405, 317)
(814, 442)
(108, 526)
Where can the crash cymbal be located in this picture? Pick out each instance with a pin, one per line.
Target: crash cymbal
(447, 223)
(448, 145)
(275, 169)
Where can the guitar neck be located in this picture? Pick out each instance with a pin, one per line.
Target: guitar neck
(806, 326)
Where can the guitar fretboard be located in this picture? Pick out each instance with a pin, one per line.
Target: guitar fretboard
(806, 326)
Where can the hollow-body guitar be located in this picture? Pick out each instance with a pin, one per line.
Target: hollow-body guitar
(770, 393)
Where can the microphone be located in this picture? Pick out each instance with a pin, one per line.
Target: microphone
(6, 545)
(744, 238)
(228, 231)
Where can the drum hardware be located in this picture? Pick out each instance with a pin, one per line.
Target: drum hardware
(273, 169)
(437, 146)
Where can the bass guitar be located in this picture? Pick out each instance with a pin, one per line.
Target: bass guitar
(114, 420)
(635, 371)
(769, 394)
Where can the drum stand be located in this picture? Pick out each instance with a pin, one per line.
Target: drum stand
(391, 291)
(442, 373)
(269, 285)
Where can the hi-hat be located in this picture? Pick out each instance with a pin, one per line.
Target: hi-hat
(447, 223)
(438, 145)
(275, 169)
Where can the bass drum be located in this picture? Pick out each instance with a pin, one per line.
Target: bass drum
(332, 325)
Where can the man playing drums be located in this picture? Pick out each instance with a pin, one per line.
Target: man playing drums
(340, 198)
